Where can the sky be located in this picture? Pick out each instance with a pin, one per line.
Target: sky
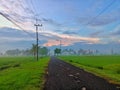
(73, 22)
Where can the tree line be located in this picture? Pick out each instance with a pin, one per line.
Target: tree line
(43, 51)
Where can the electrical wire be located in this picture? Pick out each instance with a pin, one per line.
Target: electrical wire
(33, 7)
(16, 24)
(93, 19)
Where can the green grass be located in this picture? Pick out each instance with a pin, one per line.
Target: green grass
(107, 67)
(22, 73)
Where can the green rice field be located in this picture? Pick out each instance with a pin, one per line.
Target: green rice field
(22, 73)
(107, 67)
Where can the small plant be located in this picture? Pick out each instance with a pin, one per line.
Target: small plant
(70, 60)
(118, 71)
(77, 62)
(99, 67)
(5, 67)
(16, 65)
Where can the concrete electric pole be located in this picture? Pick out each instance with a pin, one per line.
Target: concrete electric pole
(37, 25)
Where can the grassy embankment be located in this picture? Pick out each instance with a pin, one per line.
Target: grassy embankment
(107, 67)
(22, 73)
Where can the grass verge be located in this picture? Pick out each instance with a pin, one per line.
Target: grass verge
(22, 73)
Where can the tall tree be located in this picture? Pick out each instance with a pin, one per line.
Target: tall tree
(57, 51)
(43, 51)
(34, 49)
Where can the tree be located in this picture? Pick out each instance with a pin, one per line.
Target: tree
(43, 51)
(57, 51)
(65, 51)
(96, 52)
(34, 49)
(14, 52)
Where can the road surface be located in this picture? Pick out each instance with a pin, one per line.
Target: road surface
(64, 76)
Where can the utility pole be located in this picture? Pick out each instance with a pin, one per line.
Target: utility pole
(60, 47)
(37, 25)
(60, 44)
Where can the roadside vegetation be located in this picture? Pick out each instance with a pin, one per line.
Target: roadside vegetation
(22, 73)
(107, 67)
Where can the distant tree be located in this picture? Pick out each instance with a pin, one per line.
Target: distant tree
(27, 52)
(71, 51)
(14, 52)
(43, 51)
(80, 52)
(90, 52)
(112, 51)
(65, 51)
(57, 51)
(34, 49)
(1, 54)
(96, 52)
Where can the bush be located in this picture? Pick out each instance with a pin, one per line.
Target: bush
(71, 61)
(118, 71)
(99, 67)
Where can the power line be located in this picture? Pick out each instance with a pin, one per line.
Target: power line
(16, 24)
(101, 12)
(33, 6)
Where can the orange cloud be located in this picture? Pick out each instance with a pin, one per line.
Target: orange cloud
(66, 40)
(56, 43)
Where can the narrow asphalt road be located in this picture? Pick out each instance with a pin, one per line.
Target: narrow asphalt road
(63, 76)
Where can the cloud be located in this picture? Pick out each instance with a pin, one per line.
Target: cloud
(69, 40)
(14, 35)
(50, 38)
(22, 15)
(51, 21)
(96, 34)
(102, 20)
(116, 32)
(69, 32)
